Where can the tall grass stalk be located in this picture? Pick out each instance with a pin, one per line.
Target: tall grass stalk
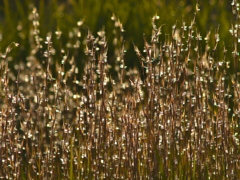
(176, 116)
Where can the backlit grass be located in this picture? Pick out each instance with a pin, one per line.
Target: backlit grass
(176, 116)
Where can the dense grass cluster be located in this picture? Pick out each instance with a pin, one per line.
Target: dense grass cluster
(175, 117)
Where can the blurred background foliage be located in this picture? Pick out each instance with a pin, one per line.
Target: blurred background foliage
(63, 15)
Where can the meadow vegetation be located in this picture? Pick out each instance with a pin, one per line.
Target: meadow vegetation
(67, 113)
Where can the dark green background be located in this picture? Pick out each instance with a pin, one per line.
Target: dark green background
(134, 14)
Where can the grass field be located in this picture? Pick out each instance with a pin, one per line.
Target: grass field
(175, 116)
